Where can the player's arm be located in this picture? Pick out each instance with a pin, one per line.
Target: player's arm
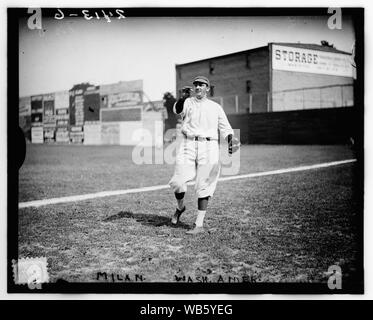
(227, 131)
(179, 104)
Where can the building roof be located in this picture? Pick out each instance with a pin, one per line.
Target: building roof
(311, 46)
(224, 55)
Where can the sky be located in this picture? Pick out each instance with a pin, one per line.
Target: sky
(75, 50)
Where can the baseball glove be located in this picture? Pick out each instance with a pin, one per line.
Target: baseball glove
(233, 145)
(180, 102)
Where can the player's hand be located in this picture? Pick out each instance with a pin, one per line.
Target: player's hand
(233, 145)
(186, 92)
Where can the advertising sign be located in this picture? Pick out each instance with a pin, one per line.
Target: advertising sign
(49, 118)
(124, 99)
(49, 135)
(62, 117)
(61, 100)
(122, 86)
(37, 104)
(79, 110)
(92, 133)
(62, 135)
(76, 134)
(311, 61)
(37, 135)
(92, 104)
(37, 119)
(110, 133)
(76, 107)
(121, 114)
(25, 106)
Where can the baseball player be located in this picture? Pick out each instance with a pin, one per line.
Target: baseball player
(198, 153)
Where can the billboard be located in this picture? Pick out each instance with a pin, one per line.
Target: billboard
(152, 124)
(120, 94)
(122, 86)
(124, 99)
(92, 133)
(49, 135)
(25, 106)
(36, 104)
(48, 106)
(61, 100)
(77, 107)
(294, 59)
(37, 135)
(62, 118)
(62, 135)
(24, 123)
(121, 114)
(37, 119)
(103, 101)
(154, 106)
(92, 104)
(79, 110)
(76, 134)
(129, 131)
(110, 133)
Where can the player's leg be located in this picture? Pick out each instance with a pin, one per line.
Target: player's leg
(208, 171)
(202, 207)
(180, 207)
(180, 200)
(183, 174)
(185, 170)
(206, 182)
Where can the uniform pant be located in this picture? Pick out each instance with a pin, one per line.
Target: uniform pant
(199, 160)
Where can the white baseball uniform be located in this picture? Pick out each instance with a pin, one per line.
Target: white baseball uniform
(200, 158)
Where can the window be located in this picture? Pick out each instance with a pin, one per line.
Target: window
(248, 62)
(248, 86)
(104, 101)
(212, 91)
(212, 67)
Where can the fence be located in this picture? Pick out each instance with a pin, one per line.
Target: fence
(287, 100)
(313, 98)
(230, 104)
(317, 126)
(233, 104)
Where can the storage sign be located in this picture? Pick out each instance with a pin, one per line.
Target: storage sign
(311, 61)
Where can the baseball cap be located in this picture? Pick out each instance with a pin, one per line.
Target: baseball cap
(201, 79)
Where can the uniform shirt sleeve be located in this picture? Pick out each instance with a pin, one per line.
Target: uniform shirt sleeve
(223, 123)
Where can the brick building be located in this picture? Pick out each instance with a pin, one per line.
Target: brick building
(276, 77)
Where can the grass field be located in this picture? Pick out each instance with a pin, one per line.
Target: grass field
(283, 228)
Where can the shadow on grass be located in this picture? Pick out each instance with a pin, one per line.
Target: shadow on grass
(146, 219)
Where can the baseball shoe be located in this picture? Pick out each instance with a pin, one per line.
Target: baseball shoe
(175, 218)
(196, 230)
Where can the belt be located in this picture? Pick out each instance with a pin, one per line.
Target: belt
(196, 138)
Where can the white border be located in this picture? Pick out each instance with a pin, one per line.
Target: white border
(368, 254)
